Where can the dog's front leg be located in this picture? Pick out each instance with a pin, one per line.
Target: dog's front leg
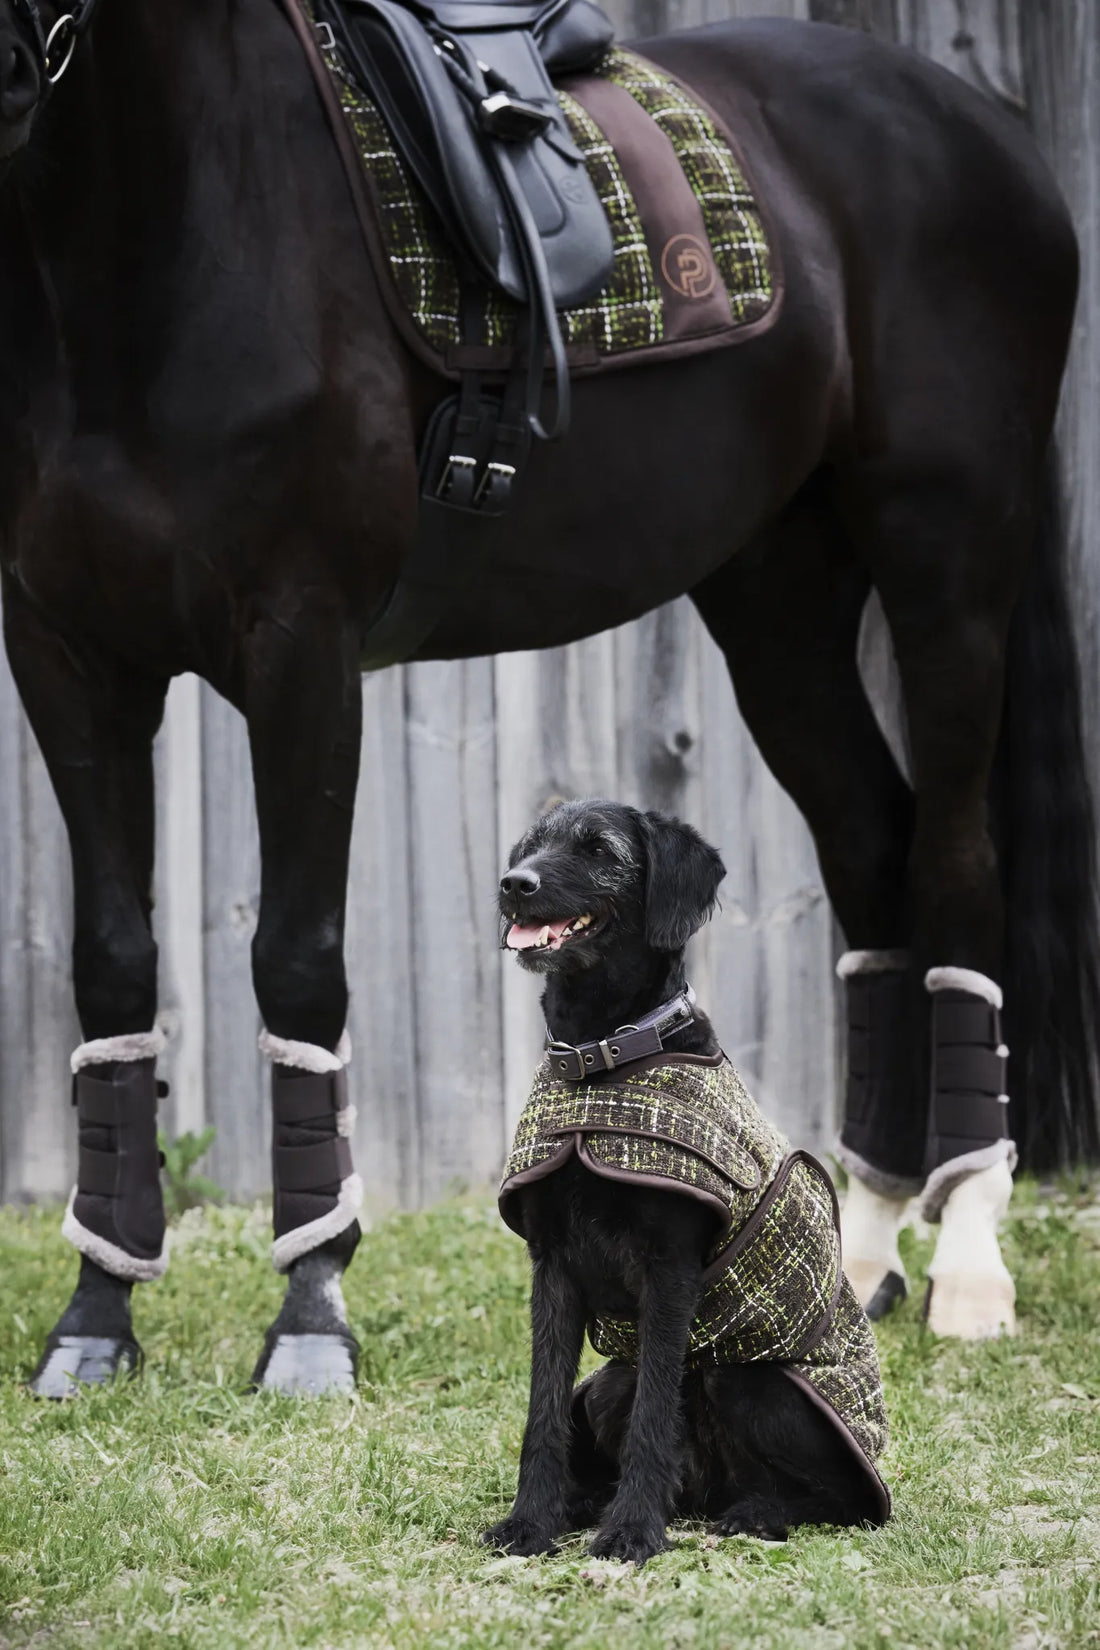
(634, 1525)
(557, 1335)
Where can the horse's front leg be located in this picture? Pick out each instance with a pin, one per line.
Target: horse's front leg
(95, 720)
(303, 702)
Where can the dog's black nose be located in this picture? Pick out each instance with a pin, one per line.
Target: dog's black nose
(520, 881)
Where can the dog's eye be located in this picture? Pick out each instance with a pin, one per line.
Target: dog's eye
(595, 846)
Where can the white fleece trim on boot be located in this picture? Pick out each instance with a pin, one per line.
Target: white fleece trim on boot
(942, 1181)
(131, 1045)
(107, 1254)
(965, 979)
(284, 1051)
(872, 962)
(302, 1239)
(876, 1180)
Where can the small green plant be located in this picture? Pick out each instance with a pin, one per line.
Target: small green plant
(183, 1188)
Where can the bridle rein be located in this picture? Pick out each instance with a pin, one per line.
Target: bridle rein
(54, 49)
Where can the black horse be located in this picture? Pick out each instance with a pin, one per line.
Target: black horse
(209, 433)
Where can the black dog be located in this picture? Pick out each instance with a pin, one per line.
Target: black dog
(601, 899)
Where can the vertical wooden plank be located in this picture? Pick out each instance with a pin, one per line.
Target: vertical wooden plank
(453, 846)
(236, 1083)
(659, 732)
(178, 907)
(556, 737)
(381, 979)
(38, 1024)
(1061, 51)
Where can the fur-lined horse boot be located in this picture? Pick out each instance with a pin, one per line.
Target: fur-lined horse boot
(881, 1148)
(115, 1215)
(309, 1348)
(971, 1295)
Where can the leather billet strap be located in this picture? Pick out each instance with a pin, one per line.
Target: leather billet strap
(578, 1061)
(311, 1157)
(969, 1102)
(118, 1196)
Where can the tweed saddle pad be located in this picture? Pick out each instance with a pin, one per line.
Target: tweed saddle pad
(693, 266)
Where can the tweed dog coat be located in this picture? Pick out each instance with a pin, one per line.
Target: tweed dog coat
(773, 1288)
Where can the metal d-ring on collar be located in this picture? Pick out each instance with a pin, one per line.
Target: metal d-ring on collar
(574, 1061)
(55, 49)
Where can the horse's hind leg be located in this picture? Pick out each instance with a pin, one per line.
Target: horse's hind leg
(947, 560)
(786, 613)
(303, 702)
(95, 721)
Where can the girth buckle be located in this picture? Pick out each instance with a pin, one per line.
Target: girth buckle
(495, 486)
(456, 484)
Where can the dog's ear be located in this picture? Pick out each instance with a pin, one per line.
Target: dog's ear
(682, 877)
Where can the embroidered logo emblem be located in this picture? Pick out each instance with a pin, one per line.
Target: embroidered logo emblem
(688, 267)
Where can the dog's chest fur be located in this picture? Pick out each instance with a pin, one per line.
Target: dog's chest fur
(609, 1234)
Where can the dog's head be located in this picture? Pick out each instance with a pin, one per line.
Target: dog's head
(592, 878)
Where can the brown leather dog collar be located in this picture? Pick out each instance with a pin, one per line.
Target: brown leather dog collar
(576, 1061)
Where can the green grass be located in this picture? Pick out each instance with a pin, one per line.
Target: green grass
(175, 1510)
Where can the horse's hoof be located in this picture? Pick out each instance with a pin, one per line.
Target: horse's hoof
(878, 1289)
(74, 1361)
(307, 1365)
(970, 1306)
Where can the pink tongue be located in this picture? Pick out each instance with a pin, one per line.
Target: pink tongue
(521, 936)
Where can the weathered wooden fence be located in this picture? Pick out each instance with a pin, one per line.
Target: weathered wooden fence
(459, 757)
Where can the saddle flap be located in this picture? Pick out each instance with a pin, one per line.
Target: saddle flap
(469, 100)
(571, 34)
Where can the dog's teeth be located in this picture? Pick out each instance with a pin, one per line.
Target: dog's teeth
(544, 936)
(582, 922)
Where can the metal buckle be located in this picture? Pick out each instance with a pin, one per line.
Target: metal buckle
(66, 27)
(553, 1049)
(493, 470)
(325, 35)
(455, 461)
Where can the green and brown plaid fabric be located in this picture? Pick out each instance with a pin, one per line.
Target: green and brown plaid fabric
(773, 1289)
(628, 313)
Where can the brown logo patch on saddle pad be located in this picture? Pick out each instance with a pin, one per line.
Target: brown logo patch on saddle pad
(693, 268)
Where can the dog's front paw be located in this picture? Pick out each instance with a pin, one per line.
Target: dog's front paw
(753, 1516)
(631, 1543)
(520, 1537)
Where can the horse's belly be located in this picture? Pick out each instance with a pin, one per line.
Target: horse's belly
(666, 473)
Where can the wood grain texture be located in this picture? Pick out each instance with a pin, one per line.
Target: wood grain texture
(459, 758)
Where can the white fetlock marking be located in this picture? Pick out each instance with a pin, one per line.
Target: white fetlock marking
(870, 1224)
(973, 1295)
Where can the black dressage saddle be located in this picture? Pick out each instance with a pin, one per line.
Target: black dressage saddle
(465, 88)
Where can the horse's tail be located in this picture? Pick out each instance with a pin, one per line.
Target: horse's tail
(1045, 826)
